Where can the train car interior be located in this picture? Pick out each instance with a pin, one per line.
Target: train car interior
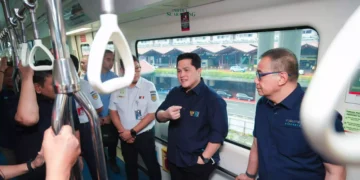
(229, 36)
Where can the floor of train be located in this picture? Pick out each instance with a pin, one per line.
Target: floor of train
(111, 175)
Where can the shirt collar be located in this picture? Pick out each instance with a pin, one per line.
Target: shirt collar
(41, 97)
(197, 89)
(138, 84)
(292, 99)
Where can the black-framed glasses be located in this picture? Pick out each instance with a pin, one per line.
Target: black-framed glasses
(259, 74)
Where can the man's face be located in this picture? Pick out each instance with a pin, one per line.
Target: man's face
(83, 64)
(187, 74)
(108, 61)
(47, 89)
(268, 84)
(137, 72)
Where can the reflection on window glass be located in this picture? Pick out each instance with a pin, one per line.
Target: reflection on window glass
(85, 49)
(229, 62)
(110, 46)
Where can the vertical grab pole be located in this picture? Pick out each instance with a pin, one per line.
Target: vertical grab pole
(14, 44)
(64, 76)
(90, 111)
(23, 46)
(66, 83)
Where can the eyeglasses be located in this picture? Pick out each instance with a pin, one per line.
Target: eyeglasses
(259, 75)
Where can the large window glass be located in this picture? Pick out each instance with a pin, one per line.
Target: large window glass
(229, 63)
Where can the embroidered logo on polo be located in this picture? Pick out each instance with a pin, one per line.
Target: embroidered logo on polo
(153, 95)
(122, 93)
(141, 97)
(292, 123)
(194, 113)
(94, 95)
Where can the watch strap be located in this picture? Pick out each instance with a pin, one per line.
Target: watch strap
(133, 133)
(204, 159)
(250, 175)
(28, 164)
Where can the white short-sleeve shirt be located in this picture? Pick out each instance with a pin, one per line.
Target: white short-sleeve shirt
(92, 95)
(133, 104)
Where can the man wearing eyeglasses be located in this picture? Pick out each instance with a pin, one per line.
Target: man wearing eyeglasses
(132, 111)
(279, 149)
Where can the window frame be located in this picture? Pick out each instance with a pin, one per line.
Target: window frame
(304, 27)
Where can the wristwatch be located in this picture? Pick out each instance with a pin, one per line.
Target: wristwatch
(206, 160)
(250, 175)
(28, 164)
(133, 133)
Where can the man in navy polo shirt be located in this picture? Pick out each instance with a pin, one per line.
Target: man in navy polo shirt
(280, 150)
(198, 122)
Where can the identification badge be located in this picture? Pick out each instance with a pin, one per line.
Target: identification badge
(138, 114)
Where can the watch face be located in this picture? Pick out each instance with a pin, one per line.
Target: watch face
(133, 133)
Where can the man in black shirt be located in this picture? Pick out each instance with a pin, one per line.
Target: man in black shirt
(34, 116)
(8, 105)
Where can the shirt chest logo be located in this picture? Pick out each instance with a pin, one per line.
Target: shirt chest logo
(94, 95)
(122, 93)
(292, 123)
(194, 113)
(153, 95)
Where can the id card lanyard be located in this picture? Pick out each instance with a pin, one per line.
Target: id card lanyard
(138, 113)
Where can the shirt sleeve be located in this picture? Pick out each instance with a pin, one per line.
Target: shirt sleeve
(153, 101)
(166, 103)
(92, 95)
(218, 121)
(112, 105)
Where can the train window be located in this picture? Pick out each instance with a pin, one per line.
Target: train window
(85, 49)
(229, 61)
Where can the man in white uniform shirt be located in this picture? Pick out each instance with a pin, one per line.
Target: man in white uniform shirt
(132, 110)
(85, 131)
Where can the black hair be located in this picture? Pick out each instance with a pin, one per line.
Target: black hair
(195, 59)
(134, 58)
(40, 76)
(283, 59)
(75, 60)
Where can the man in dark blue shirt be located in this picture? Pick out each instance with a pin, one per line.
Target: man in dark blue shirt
(33, 115)
(280, 150)
(198, 122)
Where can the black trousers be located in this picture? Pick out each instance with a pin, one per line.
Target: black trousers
(196, 172)
(110, 137)
(87, 150)
(145, 146)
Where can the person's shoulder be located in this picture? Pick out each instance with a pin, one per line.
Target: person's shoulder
(112, 74)
(83, 82)
(147, 83)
